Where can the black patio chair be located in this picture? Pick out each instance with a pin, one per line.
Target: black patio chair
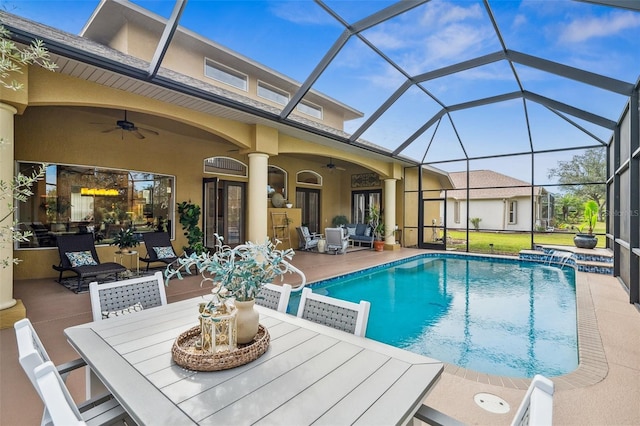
(78, 255)
(159, 248)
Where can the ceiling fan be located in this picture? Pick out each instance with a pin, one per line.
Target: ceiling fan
(128, 126)
(331, 167)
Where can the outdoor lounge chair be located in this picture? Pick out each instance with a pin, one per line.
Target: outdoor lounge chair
(159, 248)
(337, 240)
(306, 240)
(33, 356)
(536, 408)
(336, 313)
(274, 296)
(78, 255)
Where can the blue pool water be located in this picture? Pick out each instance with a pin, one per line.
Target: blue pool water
(496, 316)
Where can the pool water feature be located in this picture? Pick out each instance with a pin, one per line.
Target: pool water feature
(497, 316)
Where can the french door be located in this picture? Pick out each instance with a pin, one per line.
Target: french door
(308, 200)
(224, 211)
(362, 202)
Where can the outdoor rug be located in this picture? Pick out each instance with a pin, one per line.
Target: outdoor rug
(71, 283)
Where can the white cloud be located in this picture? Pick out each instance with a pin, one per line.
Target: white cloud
(584, 29)
(519, 20)
(300, 12)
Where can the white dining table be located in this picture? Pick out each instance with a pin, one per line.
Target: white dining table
(309, 374)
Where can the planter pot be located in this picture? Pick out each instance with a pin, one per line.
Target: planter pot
(378, 245)
(585, 241)
(246, 320)
(125, 250)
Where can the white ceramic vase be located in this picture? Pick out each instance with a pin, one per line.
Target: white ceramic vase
(247, 321)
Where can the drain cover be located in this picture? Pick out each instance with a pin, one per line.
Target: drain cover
(492, 403)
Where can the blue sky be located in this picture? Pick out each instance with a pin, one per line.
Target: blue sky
(291, 37)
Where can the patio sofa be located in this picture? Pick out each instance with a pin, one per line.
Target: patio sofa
(360, 233)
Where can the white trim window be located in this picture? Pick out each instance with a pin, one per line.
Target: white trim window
(225, 74)
(225, 166)
(309, 177)
(513, 212)
(310, 109)
(272, 94)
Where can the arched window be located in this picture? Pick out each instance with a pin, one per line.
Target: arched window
(309, 177)
(225, 166)
(277, 181)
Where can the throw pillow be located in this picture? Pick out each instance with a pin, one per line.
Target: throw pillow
(164, 252)
(133, 308)
(351, 231)
(367, 232)
(81, 258)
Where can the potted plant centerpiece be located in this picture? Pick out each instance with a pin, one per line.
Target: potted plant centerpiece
(377, 227)
(588, 240)
(125, 239)
(238, 273)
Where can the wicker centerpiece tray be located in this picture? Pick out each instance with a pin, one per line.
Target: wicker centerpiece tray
(186, 355)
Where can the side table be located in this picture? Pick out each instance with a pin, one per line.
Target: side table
(119, 255)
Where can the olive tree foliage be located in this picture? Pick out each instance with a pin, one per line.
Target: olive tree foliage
(19, 190)
(12, 59)
(585, 174)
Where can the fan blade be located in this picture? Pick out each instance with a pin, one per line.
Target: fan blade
(137, 134)
(111, 130)
(148, 130)
(342, 169)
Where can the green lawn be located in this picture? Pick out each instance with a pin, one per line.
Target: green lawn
(507, 243)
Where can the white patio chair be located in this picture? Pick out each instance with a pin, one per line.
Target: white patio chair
(119, 298)
(62, 410)
(337, 240)
(32, 354)
(536, 408)
(274, 296)
(126, 296)
(340, 314)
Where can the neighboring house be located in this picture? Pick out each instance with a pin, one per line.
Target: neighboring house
(501, 202)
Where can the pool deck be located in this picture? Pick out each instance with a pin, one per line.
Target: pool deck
(604, 390)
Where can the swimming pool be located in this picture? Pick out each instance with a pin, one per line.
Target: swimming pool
(497, 316)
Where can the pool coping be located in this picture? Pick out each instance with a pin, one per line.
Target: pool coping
(592, 363)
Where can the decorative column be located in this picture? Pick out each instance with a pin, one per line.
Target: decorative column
(389, 212)
(6, 175)
(257, 197)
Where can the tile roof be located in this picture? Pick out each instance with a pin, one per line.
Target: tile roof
(490, 185)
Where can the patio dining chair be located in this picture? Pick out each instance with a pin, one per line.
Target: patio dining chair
(159, 248)
(336, 313)
(274, 296)
(62, 410)
(78, 255)
(32, 355)
(126, 296)
(536, 408)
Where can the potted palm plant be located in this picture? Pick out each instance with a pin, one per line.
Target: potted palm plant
(588, 240)
(238, 273)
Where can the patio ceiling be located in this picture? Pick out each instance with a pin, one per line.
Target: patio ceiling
(435, 80)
